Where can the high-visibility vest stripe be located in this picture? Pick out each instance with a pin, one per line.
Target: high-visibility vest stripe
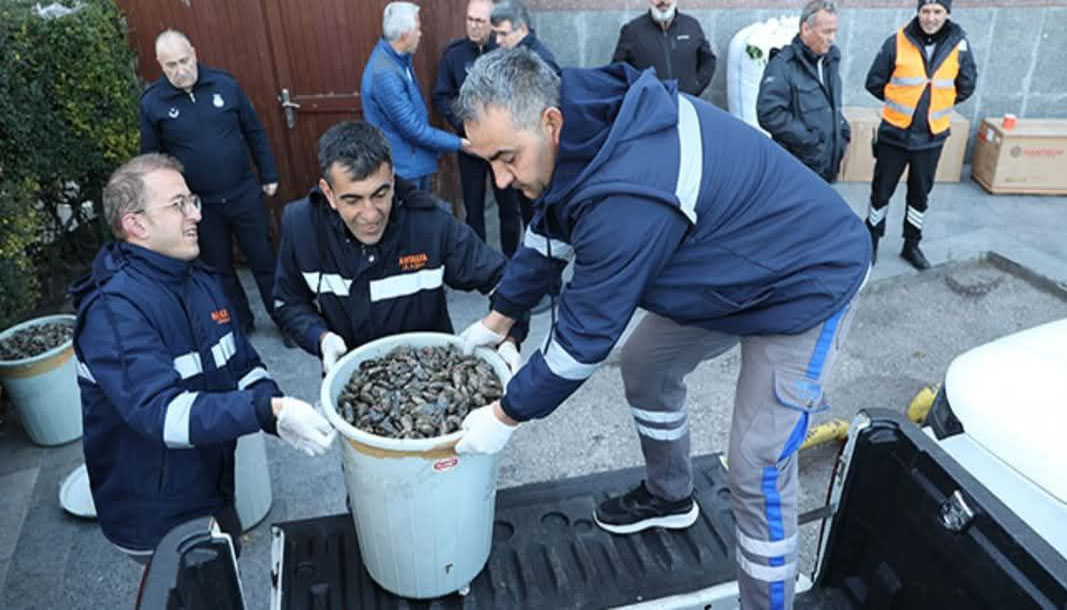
(908, 82)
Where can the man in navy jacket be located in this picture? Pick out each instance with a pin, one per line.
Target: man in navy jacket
(366, 255)
(456, 60)
(393, 102)
(201, 116)
(666, 203)
(168, 380)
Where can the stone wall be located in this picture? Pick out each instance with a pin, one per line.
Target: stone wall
(1020, 47)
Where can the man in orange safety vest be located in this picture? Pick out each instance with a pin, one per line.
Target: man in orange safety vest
(920, 74)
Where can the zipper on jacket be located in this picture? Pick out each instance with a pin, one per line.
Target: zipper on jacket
(669, 48)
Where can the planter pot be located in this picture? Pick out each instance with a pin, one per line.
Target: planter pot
(252, 480)
(44, 388)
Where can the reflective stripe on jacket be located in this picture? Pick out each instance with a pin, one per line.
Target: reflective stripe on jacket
(909, 80)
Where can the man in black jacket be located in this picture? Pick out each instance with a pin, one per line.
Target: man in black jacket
(921, 73)
(672, 43)
(511, 26)
(799, 100)
(202, 117)
(455, 61)
(366, 255)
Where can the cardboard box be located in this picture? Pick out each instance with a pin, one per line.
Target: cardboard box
(1029, 158)
(858, 164)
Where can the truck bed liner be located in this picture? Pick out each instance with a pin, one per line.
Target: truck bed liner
(546, 553)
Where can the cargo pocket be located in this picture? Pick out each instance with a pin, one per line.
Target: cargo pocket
(798, 392)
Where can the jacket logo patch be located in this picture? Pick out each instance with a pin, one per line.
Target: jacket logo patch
(221, 316)
(217, 101)
(173, 112)
(683, 37)
(413, 262)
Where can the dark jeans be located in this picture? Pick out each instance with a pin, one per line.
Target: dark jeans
(472, 173)
(922, 166)
(245, 218)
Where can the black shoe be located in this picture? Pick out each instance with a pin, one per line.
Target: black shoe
(639, 510)
(914, 255)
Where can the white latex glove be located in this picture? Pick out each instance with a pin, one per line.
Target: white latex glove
(332, 347)
(484, 432)
(478, 334)
(270, 188)
(300, 425)
(510, 354)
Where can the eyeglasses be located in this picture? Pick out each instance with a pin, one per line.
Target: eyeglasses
(186, 204)
(477, 21)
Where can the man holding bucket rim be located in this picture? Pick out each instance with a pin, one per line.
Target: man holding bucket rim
(367, 255)
(168, 378)
(666, 203)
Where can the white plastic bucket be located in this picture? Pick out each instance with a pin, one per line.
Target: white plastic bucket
(252, 494)
(423, 515)
(44, 388)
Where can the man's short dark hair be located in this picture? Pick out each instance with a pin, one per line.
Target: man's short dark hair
(510, 10)
(359, 147)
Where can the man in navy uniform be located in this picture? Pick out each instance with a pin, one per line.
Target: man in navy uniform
(366, 255)
(168, 379)
(666, 203)
(457, 59)
(201, 116)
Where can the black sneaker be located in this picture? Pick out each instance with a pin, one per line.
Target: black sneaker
(639, 510)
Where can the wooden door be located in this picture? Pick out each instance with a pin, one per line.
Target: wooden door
(315, 51)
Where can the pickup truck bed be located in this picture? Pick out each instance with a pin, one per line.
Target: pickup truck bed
(910, 529)
(546, 553)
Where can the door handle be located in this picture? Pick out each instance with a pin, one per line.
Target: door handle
(287, 106)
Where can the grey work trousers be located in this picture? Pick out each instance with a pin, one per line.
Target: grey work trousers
(779, 387)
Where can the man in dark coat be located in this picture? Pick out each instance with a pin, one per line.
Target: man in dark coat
(168, 379)
(366, 255)
(456, 60)
(664, 202)
(202, 116)
(511, 25)
(799, 101)
(671, 42)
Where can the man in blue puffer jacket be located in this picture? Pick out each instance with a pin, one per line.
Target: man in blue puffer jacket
(168, 379)
(666, 203)
(393, 102)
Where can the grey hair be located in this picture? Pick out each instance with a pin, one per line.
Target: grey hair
(510, 10)
(398, 19)
(126, 190)
(517, 80)
(814, 6)
(168, 35)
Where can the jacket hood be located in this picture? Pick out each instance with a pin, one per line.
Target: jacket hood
(116, 255)
(605, 109)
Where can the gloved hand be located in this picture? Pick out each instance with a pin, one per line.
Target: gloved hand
(270, 188)
(510, 353)
(484, 432)
(300, 425)
(478, 334)
(332, 347)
